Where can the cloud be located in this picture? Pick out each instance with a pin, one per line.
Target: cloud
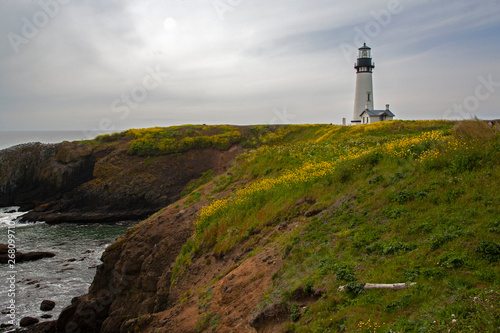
(239, 64)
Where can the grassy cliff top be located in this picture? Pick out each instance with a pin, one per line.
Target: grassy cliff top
(178, 139)
(390, 202)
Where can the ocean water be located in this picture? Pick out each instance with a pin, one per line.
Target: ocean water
(78, 249)
(12, 138)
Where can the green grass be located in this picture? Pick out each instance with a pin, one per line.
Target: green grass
(195, 183)
(178, 139)
(400, 202)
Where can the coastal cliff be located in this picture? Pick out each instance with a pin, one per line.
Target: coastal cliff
(286, 238)
(102, 180)
(36, 172)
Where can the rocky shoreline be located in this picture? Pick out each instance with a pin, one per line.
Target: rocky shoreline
(74, 182)
(32, 324)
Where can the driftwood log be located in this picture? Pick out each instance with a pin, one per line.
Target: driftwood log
(393, 286)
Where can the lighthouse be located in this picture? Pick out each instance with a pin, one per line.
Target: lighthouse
(364, 112)
(363, 98)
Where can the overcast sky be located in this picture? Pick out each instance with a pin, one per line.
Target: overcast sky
(118, 64)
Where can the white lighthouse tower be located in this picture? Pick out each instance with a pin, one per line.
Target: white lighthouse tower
(363, 98)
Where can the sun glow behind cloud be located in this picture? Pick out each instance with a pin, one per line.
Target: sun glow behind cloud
(242, 65)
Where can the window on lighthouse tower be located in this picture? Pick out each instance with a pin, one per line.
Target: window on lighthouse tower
(368, 97)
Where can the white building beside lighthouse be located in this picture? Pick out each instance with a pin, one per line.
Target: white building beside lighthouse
(364, 112)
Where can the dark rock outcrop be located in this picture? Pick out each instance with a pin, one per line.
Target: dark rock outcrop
(36, 172)
(31, 256)
(22, 257)
(74, 182)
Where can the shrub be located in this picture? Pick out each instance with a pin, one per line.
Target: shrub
(421, 195)
(451, 260)
(397, 177)
(294, 312)
(343, 271)
(309, 288)
(393, 213)
(489, 250)
(355, 289)
(439, 240)
(377, 179)
(401, 197)
(371, 159)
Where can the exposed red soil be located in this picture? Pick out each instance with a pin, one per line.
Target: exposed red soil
(236, 294)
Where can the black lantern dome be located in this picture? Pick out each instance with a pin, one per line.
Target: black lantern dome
(364, 63)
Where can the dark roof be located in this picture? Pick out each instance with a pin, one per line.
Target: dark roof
(364, 47)
(377, 113)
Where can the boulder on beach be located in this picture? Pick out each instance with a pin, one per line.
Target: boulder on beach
(47, 305)
(28, 321)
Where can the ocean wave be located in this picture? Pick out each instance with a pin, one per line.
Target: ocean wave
(21, 224)
(9, 217)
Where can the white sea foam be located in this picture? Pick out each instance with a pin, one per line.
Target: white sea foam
(9, 217)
